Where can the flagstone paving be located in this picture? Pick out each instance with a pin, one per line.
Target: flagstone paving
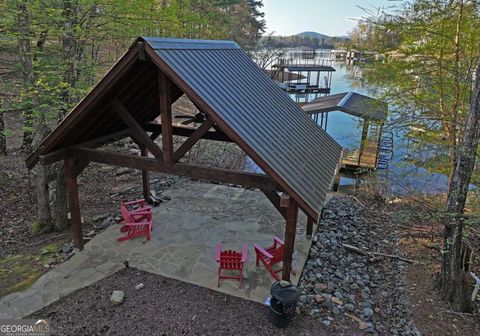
(185, 231)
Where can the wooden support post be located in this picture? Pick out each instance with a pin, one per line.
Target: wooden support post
(364, 140)
(164, 88)
(379, 139)
(145, 176)
(73, 203)
(290, 231)
(336, 183)
(309, 226)
(284, 200)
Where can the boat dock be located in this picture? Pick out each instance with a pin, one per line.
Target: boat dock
(374, 149)
(304, 77)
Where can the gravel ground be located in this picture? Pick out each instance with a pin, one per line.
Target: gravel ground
(165, 307)
(338, 283)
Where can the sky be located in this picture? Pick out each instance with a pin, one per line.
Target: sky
(329, 17)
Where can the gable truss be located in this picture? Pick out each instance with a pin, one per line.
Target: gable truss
(166, 160)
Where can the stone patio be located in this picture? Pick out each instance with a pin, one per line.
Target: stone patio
(185, 231)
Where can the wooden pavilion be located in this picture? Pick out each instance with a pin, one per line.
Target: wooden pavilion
(241, 105)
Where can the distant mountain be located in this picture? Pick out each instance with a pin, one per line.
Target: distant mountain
(306, 39)
(312, 34)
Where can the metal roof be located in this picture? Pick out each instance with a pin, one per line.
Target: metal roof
(349, 102)
(240, 98)
(306, 67)
(260, 113)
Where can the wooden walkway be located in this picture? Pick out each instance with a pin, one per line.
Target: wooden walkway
(366, 158)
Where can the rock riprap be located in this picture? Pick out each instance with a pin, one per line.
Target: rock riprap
(340, 283)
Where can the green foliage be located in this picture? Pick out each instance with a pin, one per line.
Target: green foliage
(17, 273)
(431, 48)
(68, 45)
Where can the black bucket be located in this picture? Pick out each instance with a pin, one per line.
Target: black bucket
(282, 303)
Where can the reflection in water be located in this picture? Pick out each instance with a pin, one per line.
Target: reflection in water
(403, 176)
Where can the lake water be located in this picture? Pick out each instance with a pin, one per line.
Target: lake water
(402, 177)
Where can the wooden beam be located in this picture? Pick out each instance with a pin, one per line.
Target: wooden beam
(52, 157)
(61, 154)
(165, 94)
(74, 204)
(290, 231)
(186, 132)
(106, 139)
(245, 179)
(192, 140)
(155, 134)
(145, 177)
(141, 51)
(284, 200)
(273, 196)
(79, 166)
(137, 132)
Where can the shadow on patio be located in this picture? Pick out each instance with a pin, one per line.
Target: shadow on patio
(185, 231)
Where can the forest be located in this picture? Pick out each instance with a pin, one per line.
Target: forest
(53, 52)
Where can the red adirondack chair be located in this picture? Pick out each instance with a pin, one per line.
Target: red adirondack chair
(270, 256)
(137, 221)
(230, 261)
(142, 208)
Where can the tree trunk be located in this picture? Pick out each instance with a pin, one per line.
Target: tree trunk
(42, 174)
(453, 165)
(60, 205)
(455, 284)
(26, 61)
(71, 53)
(457, 98)
(3, 140)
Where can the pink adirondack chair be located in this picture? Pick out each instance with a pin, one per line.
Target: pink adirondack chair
(142, 209)
(270, 256)
(230, 261)
(137, 222)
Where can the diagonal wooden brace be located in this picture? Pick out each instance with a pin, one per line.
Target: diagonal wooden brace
(192, 140)
(136, 131)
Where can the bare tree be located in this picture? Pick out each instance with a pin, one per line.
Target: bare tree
(455, 278)
(3, 141)
(267, 54)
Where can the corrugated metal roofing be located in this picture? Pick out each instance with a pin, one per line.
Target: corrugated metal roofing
(306, 67)
(221, 78)
(349, 102)
(259, 112)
